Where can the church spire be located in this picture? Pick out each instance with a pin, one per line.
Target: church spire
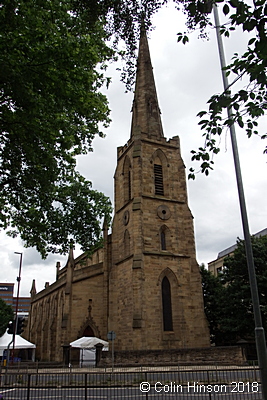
(146, 112)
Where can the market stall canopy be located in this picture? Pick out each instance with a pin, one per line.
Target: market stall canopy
(89, 343)
(20, 343)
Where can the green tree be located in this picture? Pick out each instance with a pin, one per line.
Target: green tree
(239, 317)
(52, 61)
(248, 103)
(227, 297)
(6, 315)
(214, 301)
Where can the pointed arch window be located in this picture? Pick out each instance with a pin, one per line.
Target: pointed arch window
(163, 239)
(166, 304)
(88, 332)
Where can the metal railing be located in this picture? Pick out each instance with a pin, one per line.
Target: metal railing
(133, 383)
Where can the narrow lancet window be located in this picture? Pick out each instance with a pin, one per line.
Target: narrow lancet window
(163, 239)
(166, 304)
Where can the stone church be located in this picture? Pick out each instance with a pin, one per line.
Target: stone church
(144, 284)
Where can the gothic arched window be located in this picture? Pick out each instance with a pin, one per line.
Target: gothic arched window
(88, 332)
(163, 239)
(166, 304)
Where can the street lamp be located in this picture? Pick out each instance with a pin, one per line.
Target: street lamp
(17, 300)
(259, 331)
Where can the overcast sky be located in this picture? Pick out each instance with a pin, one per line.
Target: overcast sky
(186, 76)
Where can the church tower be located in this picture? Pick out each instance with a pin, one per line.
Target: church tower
(154, 283)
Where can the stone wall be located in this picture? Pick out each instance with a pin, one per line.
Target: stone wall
(233, 355)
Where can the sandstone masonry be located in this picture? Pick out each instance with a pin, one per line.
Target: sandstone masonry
(145, 283)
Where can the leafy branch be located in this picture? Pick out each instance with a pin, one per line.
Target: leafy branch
(247, 104)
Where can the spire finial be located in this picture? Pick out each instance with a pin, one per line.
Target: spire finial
(33, 289)
(146, 112)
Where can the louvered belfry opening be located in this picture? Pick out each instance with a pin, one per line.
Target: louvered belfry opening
(129, 185)
(127, 180)
(159, 190)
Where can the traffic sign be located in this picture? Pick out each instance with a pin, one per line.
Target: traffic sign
(111, 335)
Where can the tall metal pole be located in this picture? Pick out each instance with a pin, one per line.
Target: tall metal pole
(259, 331)
(17, 300)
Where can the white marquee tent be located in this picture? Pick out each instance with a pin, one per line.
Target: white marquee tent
(88, 349)
(89, 343)
(20, 343)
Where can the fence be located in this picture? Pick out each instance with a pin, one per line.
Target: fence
(131, 384)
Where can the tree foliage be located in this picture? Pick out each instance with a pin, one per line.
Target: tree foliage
(52, 60)
(213, 294)
(227, 297)
(236, 280)
(248, 103)
(6, 315)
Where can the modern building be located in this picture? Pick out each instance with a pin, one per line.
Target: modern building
(144, 284)
(24, 304)
(216, 266)
(7, 294)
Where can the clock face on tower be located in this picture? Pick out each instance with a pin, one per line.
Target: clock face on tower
(163, 212)
(126, 217)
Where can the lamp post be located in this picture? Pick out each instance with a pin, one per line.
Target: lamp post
(17, 300)
(259, 331)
